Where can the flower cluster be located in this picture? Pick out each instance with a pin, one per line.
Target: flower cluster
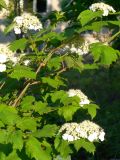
(81, 46)
(26, 22)
(79, 49)
(76, 92)
(85, 129)
(5, 55)
(59, 157)
(103, 7)
(5, 12)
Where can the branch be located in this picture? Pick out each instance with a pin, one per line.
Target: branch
(21, 95)
(113, 37)
(42, 64)
(2, 85)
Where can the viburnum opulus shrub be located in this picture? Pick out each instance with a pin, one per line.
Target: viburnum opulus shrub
(37, 108)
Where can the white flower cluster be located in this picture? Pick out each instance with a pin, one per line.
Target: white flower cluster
(85, 129)
(5, 55)
(83, 98)
(103, 7)
(80, 50)
(5, 12)
(26, 22)
(58, 157)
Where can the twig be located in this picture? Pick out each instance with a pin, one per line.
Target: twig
(62, 70)
(42, 64)
(2, 85)
(37, 71)
(113, 37)
(21, 95)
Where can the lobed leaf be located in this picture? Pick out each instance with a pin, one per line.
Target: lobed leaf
(35, 150)
(16, 139)
(22, 72)
(47, 131)
(88, 15)
(104, 54)
(18, 44)
(92, 109)
(62, 147)
(82, 143)
(68, 111)
(13, 155)
(8, 115)
(27, 123)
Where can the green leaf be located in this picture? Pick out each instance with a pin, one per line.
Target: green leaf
(58, 95)
(3, 135)
(88, 15)
(47, 36)
(18, 44)
(16, 139)
(55, 83)
(90, 66)
(117, 23)
(1, 124)
(69, 61)
(42, 108)
(27, 123)
(82, 143)
(47, 131)
(68, 111)
(9, 28)
(3, 4)
(35, 150)
(62, 147)
(8, 115)
(27, 103)
(2, 156)
(13, 156)
(103, 53)
(92, 109)
(22, 72)
(54, 63)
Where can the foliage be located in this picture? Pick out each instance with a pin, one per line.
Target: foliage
(3, 4)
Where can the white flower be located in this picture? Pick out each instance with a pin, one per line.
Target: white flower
(31, 27)
(19, 20)
(26, 62)
(70, 138)
(92, 137)
(101, 136)
(103, 7)
(105, 12)
(3, 58)
(83, 98)
(81, 132)
(67, 137)
(84, 101)
(17, 30)
(14, 59)
(2, 67)
(73, 49)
